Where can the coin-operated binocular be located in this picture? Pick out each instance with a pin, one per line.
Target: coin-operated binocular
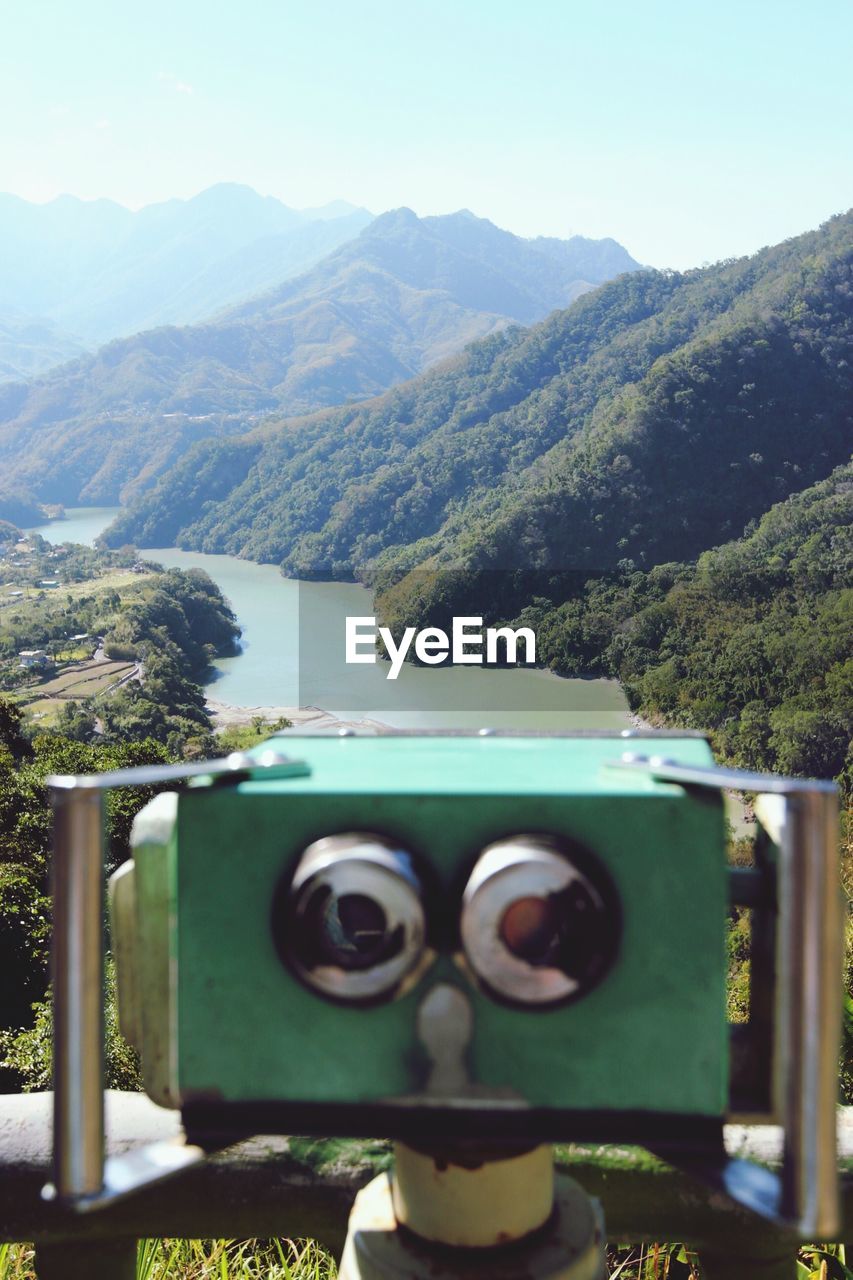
(472, 944)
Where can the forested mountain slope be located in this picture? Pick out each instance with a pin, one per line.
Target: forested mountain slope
(651, 420)
(404, 294)
(752, 641)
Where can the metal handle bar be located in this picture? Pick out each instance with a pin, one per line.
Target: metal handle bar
(801, 818)
(82, 1176)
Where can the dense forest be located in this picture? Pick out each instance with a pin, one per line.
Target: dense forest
(750, 642)
(174, 630)
(25, 845)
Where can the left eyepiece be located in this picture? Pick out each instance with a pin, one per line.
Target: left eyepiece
(351, 923)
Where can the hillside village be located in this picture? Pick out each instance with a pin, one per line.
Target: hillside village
(54, 602)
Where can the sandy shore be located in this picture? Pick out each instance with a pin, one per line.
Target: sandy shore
(304, 719)
(314, 719)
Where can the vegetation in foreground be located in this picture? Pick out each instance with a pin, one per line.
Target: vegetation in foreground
(203, 1260)
(166, 628)
(283, 1259)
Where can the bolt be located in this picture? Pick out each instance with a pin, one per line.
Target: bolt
(271, 757)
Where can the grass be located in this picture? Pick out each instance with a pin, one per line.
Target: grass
(203, 1260)
(674, 1262)
(242, 737)
(110, 581)
(233, 1260)
(652, 1262)
(16, 1262)
(306, 1260)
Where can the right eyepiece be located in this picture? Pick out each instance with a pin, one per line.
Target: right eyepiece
(540, 922)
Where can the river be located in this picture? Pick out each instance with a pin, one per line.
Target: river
(268, 671)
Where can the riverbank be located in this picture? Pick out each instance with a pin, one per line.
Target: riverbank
(312, 719)
(304, 719)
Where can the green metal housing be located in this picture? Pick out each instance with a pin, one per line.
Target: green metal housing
(220, 1018)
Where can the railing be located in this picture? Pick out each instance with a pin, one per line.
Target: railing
(299, 1187)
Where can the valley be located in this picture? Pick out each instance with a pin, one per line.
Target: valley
(265, 677)
(576, 475)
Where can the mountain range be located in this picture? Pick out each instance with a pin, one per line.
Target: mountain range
(94, 270)
(405, 293)
(652, 419)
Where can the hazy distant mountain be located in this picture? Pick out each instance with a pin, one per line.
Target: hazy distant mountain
(101, 271)
(31, 344)
(403, 295)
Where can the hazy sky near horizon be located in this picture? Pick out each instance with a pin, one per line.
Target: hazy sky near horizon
(687, 131)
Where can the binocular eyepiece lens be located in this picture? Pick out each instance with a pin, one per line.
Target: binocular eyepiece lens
(351, 929)
(530, 929)
(539, 925)
(352, 923)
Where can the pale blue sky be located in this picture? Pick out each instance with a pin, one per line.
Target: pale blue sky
(688, 131)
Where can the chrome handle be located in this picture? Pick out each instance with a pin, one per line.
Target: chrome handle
(78, 993)
(801, 818)
(82, 1176)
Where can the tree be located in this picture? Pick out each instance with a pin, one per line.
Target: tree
(12, 736)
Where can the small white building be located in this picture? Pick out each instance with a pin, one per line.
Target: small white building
(33, 658)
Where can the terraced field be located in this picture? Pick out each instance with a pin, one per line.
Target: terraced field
(77, 682)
